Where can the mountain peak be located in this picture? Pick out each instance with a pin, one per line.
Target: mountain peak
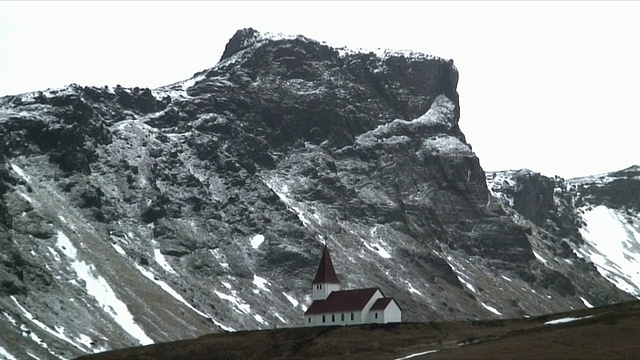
(247, 37)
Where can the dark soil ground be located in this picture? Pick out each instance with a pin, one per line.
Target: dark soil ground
(611, 332)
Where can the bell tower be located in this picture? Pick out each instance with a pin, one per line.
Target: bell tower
(326, 280)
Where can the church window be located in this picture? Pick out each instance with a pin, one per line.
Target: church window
(333, 318)
(309, 319)
(342, 317)
(351, 316)
(323, 318)
(376, 315)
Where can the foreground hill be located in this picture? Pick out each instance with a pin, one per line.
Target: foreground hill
(609, 332)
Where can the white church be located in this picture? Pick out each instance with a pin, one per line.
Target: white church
(332, 306)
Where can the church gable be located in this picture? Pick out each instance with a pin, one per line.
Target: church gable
(381, 304)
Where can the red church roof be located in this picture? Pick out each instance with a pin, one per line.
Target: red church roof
(381, 303)
(326, 274)
(342, 301)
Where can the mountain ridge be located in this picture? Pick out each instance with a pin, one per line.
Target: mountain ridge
(135, 215)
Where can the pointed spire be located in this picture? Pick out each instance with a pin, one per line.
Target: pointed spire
(326, 274)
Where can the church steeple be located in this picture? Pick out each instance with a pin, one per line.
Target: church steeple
(326, 279)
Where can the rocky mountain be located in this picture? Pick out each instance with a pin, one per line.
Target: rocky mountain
(136, 216)
(595, 219)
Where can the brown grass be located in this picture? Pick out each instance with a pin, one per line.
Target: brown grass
(612, 332)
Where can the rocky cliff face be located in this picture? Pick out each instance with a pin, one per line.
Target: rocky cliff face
(131, 216)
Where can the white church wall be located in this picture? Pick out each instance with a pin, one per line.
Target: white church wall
(376, 316)
(338, 319)
(392, 313)
(322, 291)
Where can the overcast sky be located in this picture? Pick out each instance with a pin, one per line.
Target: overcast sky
(549, 86)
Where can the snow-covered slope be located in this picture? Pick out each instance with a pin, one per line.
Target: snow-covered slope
(596, 217)
(612, 243)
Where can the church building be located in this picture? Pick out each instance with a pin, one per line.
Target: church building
(332, 306)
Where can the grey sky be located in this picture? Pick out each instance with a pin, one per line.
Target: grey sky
(550, 86)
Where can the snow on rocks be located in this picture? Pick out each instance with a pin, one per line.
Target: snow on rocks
(238, 304)
(418, 354)
(376, 244)
(291, 299)
(261, 283)
(280, 187)
(177, 90)
(378, 249)
(464, 279)
(441, 113)
(99, 289)
(566, 320)
(6, 355)
(58, 332)
(223, 326)
(162, 261)
(64, 244)
(491, 308)
(586, 303)
(222, 259)
(256, 241)
(18, 170)
(412, 289)
(540, 258)
(260, 319)
(613, 245)
(169, 290)
(497, 182)
(383, 53)
(445, 145)
(118, 249)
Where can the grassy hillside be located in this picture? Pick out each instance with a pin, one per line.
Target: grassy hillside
(611, 332)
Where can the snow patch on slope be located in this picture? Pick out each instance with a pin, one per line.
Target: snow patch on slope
(491, 308)
(239, 305)
(376, 244)
(162, 261)
(20, 172)
(261, 283)
(540, 258)
(586, 303)
(464, 279)
(169, 290)
(256, 241)
(98, 287)
(613, 245)
(291, 299)
(58, 332)
(4, 354)
(566, 320)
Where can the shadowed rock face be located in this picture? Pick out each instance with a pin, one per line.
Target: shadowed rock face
(137, 215)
